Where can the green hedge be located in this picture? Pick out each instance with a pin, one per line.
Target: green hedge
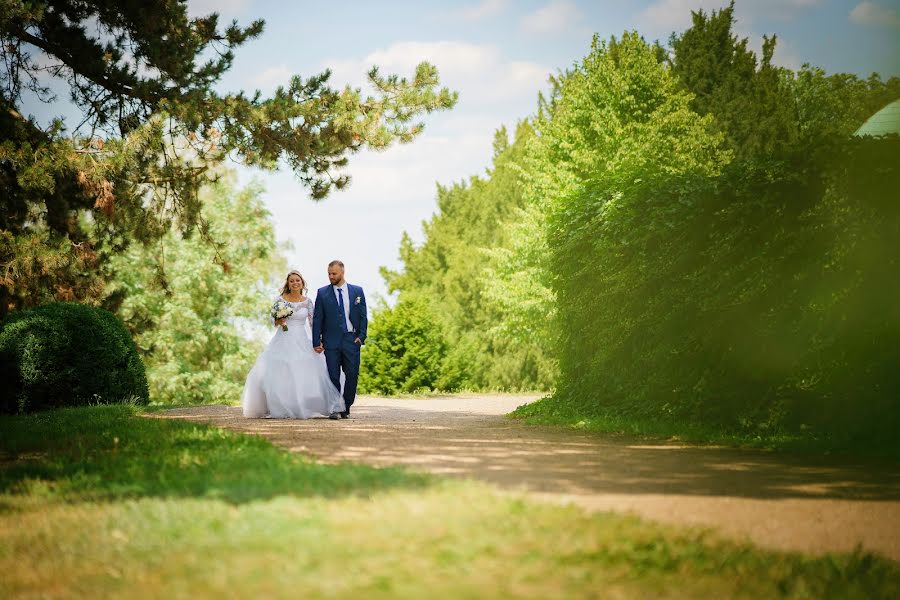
(67, 354)
(766, 309)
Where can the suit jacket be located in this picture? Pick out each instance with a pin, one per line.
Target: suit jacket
(326, 328)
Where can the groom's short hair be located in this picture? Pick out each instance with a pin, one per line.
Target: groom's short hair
(336, 263)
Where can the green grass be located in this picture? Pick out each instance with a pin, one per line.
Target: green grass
(174, 509)
(547, 411)
(109, 453)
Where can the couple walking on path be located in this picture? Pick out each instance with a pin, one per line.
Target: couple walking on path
(299, 374)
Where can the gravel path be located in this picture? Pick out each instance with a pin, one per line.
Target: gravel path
(812, 504)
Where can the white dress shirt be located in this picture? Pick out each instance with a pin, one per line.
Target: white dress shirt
(346, 294)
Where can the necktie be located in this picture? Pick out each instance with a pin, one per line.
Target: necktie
(340, 292)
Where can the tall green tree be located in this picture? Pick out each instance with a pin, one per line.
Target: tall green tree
(745, 92)
(154, 126)
(458, 273)
(192, 320)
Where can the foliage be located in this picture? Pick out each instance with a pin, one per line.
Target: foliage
(144, 76)
(768, 114)
(846, 382)
(133, 486)
(406, 351)
(460, 271)
(191, 319)
(619, 130)
(696, 238)
(728, 278)
(726, 79)
(67, 354)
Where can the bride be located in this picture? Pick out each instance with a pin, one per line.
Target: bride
(289, 379)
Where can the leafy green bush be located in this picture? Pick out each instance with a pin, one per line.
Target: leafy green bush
(406, 351)
(67, 354)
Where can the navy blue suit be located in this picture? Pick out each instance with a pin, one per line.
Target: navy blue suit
(330, 329)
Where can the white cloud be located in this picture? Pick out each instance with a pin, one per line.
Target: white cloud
(557, 17)
(46, 66)
(477, 71)
(673, 15)
(484, 10)
(227, 9)
(666, 16)
(786, 54)
(401, 174)
(271, 77)
(394, 191)
(875, 15)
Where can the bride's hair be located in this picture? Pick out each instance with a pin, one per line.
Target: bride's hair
(287, 287)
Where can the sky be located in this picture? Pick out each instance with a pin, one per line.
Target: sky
(497, 54)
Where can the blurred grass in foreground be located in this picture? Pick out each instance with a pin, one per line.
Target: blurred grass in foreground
(100, 502)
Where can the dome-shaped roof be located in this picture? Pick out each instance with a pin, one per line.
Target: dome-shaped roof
(885, 122)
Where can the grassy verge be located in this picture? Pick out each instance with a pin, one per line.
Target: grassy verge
(109, 453)
(547, 412)
(100, 502)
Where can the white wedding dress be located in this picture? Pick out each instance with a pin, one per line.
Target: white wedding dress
(289, 380)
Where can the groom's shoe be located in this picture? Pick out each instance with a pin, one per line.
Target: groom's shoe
(345, 415)
(334, 416)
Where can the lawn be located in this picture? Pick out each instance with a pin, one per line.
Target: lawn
(105, 502)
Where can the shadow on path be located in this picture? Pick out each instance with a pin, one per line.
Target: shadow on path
(790, 502)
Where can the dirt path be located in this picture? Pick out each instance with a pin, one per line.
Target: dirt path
(809, 504)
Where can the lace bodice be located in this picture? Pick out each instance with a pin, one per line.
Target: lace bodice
(303, 311)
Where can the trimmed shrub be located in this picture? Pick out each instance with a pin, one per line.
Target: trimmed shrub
(67, 354)
(406, 351)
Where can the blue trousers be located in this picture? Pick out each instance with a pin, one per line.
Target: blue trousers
(344, 358)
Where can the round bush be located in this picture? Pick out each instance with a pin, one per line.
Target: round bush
(67, 354)
(406, 350)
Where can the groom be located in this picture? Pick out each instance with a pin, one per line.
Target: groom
(339, 330)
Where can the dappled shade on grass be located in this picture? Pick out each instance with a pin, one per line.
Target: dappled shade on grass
(107, 453)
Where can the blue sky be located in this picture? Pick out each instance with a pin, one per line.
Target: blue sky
(497, 54)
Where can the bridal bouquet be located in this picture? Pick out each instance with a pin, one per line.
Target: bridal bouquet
(280, 310)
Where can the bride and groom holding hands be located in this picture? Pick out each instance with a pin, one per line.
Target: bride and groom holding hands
(299, 374)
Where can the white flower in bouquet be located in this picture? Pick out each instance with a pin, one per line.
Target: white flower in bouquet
(281, 310)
